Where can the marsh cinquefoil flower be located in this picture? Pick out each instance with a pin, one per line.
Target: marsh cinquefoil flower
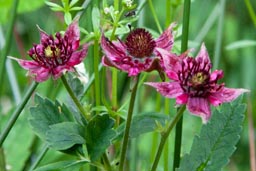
(54, 56)
(139, 52)
(194, 84)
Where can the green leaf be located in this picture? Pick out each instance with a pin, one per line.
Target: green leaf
(76, 85)
(216, 143)
(67, 18)
(148, 120)
(99, 135)
(69, 165)
(53, 6)
(76, 8)
(95, 19)
(45, 114)
(73, 2)
(64, 135)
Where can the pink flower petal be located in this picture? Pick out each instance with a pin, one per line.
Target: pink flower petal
(106, 62)
(216, 75)
(58, 71)
(182, 99)
(165, 41)
(43, 35)
(134, 71)
(203, 54)
(39, 74)
(167, 89)
(170, 60)
(200, 107)
(78, 56)
(113, 51)
(28, 64)
(73, 32)
(225, 95)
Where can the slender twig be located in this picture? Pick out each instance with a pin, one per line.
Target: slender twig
(39, 157)
(6, 49)
(165, 135)
(184, 47)
(17, 112)
(128, 125)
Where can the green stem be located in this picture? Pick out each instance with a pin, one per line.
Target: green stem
(185, 28)
(166, 150)
(155, 16)
(73, 96)
(155, 134)
(6, 49)
(164, 136)
(128, 125)
(96, 71)
(251, 11)
(177, 144)
(114, 89)
(17, 112)
(115, 24)
(218, 43)
(184, 47)
(2, 160)
(106, 162)
(114, 70)
(39, 158)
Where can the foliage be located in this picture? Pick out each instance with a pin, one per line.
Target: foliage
(215, 144)
(91, 136)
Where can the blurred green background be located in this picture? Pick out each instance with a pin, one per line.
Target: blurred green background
(225, 26)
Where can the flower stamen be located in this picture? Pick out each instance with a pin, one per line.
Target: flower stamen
(140, 43)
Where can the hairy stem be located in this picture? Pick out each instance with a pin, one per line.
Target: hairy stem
(128, 125)
(164, 136)
(96, 71)
(39, 157)
(166, 150)
(73, 96)
(184, 47)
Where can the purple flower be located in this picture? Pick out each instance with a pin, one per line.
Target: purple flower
(139, 52)
(194, 84)
(54, 56)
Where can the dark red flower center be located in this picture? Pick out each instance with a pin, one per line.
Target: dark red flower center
(140, 43)
(194, 77)
(52, 52)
